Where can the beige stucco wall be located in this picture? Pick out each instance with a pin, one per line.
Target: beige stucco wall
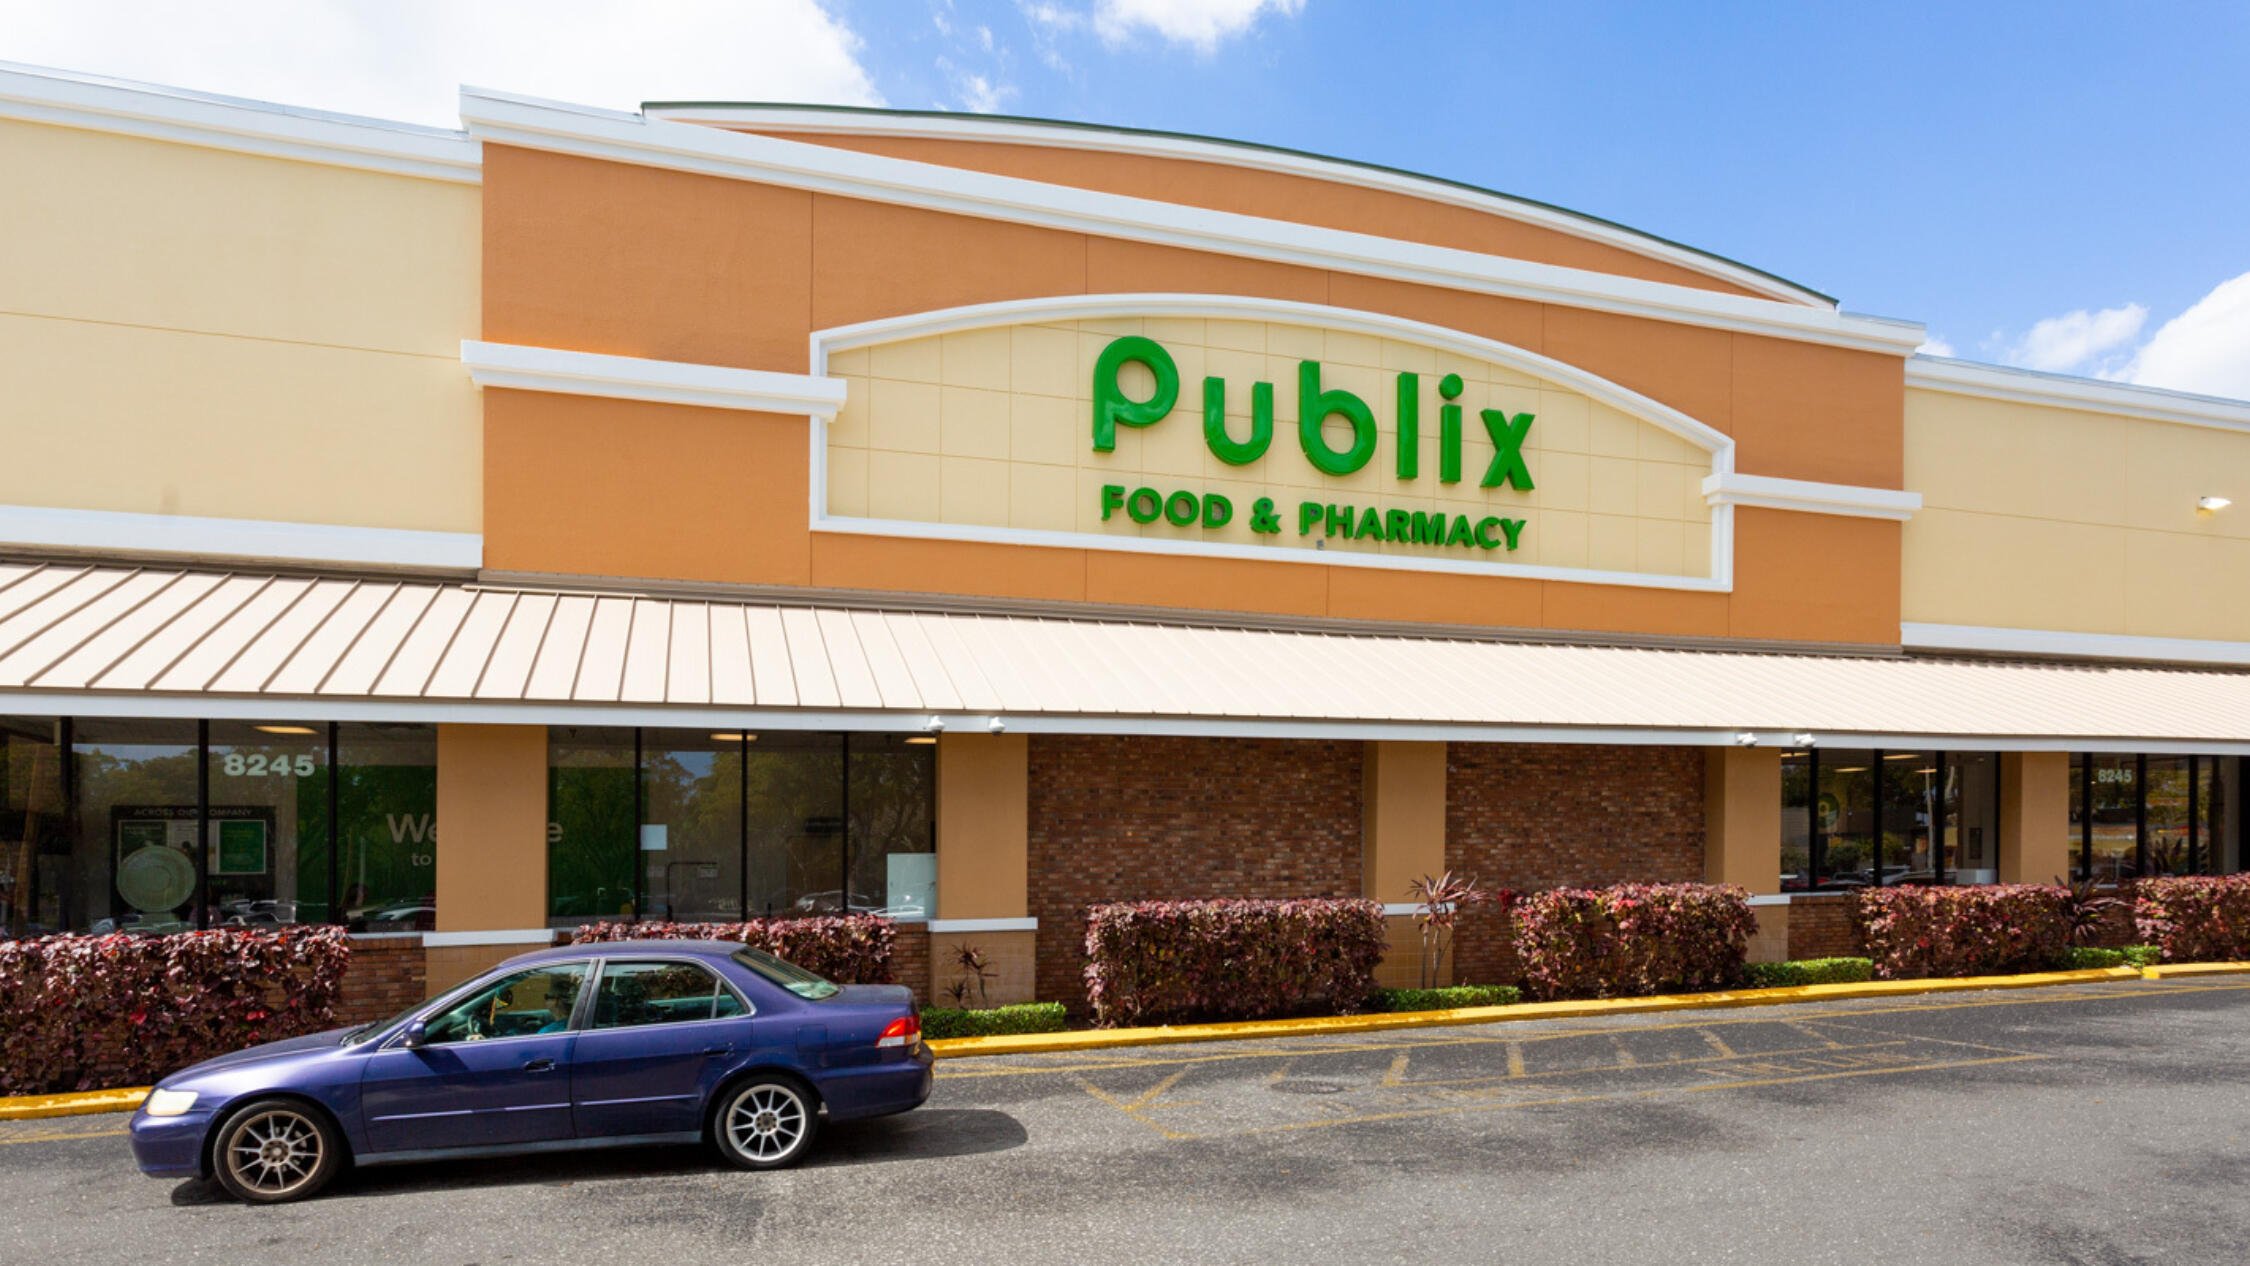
(193, 331)
(2044, 518)
(992, 428)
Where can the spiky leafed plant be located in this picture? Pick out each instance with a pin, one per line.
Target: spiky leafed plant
(2087, 908)
(1439, 899)
(976, 968)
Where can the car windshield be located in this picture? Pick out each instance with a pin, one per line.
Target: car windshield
(795, 979)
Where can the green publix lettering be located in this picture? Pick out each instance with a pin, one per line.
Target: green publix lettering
(1315, 405)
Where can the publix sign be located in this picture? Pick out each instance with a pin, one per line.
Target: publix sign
(1315, 406)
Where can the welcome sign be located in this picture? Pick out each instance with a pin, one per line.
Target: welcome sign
(1254, 438)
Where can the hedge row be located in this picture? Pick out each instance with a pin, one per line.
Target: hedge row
(853, 949)
(1809, 971)
(1446, 998)
(81, 1012)
(1633, 939)
(1164, 962)
(1022, 1017)
(1916, 931)
(2195, 918)
(2084, 957)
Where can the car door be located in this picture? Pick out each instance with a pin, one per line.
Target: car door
(494, 1068)
(656, 1039)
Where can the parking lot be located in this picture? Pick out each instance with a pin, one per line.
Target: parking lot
(2098, 1123)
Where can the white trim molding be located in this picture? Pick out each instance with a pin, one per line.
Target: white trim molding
(1715, 444)
(816, 121)
(2059, 644)
(940, 926)
(497, 118)
(1767, 492)
(236, 540)
(37, 95)
(511, 936)
(523, 368)
(1769, 899)
(2063, 391)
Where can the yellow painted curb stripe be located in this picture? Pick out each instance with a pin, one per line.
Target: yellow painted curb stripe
(1308, 1026)
(2168, 970)
(84, 1103)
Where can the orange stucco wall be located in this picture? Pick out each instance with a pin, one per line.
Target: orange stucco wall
(1277, 195)
(605, 257)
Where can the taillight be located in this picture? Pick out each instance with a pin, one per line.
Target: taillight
(903, 1031)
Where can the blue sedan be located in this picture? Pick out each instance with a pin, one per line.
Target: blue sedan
(627, 1042)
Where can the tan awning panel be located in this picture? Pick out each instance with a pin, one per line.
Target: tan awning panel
(182, 640)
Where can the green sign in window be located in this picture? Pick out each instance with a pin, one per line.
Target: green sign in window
(241, 848)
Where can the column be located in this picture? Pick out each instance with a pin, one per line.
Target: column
(1402, 838)
(984, 868)
(1742, 837)
(2035, 836)
(492, 849)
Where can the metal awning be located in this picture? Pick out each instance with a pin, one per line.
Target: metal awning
(124, 641)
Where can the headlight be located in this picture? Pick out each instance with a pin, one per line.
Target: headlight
(168, 1103)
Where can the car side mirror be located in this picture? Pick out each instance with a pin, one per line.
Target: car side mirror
(415, 1037)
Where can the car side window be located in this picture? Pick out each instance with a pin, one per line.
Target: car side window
(633, 994)
(524, 1003)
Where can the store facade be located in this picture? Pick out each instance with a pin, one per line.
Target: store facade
(721, 511)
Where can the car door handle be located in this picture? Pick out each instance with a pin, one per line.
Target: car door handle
(540, 1066)
(718, 1050)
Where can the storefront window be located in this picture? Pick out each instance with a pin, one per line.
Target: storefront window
(590, 838)
(34, 873)
(2166, 816)
(386, 816)
(1796, 821)
(1844, 819)
(727, 824)
(1971, 842)
(691, 824)
(2215, 837)
(1911, 794)
(267, 838)
(2113, 815)
(2080, 824)
(135, 864)
(893, 795)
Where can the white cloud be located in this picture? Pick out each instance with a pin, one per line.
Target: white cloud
(1935, 345)
(406, 59)
(2204, 349)
(981, 95)
(1200, 24)
(2079, 342)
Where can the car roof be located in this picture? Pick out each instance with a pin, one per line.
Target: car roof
(610, 949)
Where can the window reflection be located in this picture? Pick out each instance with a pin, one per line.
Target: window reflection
(1971, 843)
(134, 867)
(1844, 816)
(1910, 811)
(34, 873)
(268, 845)
(2113, 814)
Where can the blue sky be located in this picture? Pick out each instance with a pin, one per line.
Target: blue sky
(2052, 185)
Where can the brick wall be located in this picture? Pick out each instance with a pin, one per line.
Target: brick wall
(1540, 815)
(387, 975)
(1825, 925)
(1154, 819)
(910, 959)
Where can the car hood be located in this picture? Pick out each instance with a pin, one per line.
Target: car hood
(263, 1053)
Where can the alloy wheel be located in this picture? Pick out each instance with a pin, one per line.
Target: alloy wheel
(766, 1122)
(275, 1153)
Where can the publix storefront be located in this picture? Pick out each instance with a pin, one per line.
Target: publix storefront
(723, 510)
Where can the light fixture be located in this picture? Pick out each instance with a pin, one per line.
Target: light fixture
(921, 740)
(996, 725)
(2212, 505)
(1903, 756)
(1796, 753)
(1852, 769)
(1746, 739)
(1804, 739)
(935, 725)
(1931, 770)
(734, 738)
(284, 729)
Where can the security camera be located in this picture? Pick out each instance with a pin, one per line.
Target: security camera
(997, 725)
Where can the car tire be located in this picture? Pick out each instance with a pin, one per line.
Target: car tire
(272, 1151)
(765, 1122)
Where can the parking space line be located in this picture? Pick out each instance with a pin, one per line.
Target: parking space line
(1515, 1059)
(1639, 1066)
(57, 1136)
(1408, 1114)
(1718, 1044)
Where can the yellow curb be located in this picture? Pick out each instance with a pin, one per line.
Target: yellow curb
(82, 1103)
(1307, 1026)
(2168, 970)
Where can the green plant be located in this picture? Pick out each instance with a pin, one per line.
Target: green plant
(1632, 939)
(2088, 957)
(1809, 971)
(976, 969)
(2087, 908)
(1439, 898)
(1164, 962)
(1445, 998)
(1021, 1017)
(2142, 955)
(1918, 930)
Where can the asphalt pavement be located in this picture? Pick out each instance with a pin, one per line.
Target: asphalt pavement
(2099, 1123)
